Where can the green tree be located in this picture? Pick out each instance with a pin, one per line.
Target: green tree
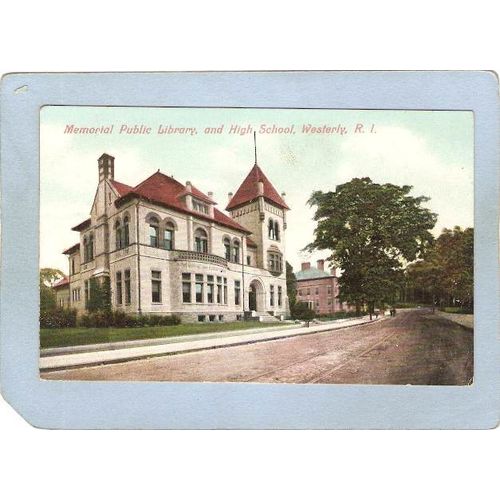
(372, 230)
(291, 285)
(48, 276)
(301, 310)
(447, 271)
(99, 295)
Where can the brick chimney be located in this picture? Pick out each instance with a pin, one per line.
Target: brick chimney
(320, 264)
(333, 271)
(106, 164)
(305, 266)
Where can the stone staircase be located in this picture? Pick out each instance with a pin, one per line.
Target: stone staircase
(265, 317)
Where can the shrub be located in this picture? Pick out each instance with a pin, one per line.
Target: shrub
(58, 318)
(120, 319)
(301, 310)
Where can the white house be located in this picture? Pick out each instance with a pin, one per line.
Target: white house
(167, 249)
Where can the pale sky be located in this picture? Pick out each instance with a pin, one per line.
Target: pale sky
(430, 150)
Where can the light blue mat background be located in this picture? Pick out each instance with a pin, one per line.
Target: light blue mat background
(146, 405)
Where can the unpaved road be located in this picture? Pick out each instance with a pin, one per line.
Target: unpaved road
(415, 347)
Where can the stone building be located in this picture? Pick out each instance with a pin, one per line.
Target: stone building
(319, 288)
(167, 249)
(61, 290)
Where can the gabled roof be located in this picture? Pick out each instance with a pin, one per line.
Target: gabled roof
(72, 249)
(82, 226)
(164, 190)
(62, 282)
(249, 190)
(121, 188)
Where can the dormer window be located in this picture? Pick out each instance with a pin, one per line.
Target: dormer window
(200, 207)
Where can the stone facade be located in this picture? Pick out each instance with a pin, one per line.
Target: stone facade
(167, 250)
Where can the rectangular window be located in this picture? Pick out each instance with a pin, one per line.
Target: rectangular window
(329, 290)
(127, 286)
(279, 296)
(308, 291)
(199, 288)
(237, 291)
(317, 291)
(271, 295)
(211, 317)
(72, 266)
(225, 290)
(186, 287)
(210, 289)
(249, 260)
(201, 318)
(221, 317)
(156, 286)
(219, 290)
(119, 288)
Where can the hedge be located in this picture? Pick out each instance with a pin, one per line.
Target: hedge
(58, 318)
(120, 319)
(67, 318)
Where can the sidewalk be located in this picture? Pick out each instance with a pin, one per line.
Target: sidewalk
(68, 357)
(466, 320)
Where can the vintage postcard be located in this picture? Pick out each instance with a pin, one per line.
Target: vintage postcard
(256, 245)
(284, 250)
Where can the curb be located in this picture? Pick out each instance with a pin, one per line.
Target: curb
(236, 342)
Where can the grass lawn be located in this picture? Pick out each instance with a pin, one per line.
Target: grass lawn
(62, 337)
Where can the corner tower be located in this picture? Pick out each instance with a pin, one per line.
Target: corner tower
(258, 206)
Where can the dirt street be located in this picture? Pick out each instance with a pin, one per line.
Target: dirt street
(415, 347)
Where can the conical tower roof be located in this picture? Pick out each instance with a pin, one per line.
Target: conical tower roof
(249, 190)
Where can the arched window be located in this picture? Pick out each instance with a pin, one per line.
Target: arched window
(236, 251)
(154, 231)
(126, 232)
(270, 229)
(168, 236)
(276, 230)
(227, 249)
(200, 241)
(118, 235)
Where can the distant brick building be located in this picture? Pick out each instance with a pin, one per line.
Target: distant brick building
(319, 288)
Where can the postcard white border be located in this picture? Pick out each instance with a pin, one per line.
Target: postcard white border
(161, 405)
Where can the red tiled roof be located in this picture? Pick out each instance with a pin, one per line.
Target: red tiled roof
(122, 189)
(72, 249)
(62, 282)
(165, 190)
(251, 243)
(249, 190)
